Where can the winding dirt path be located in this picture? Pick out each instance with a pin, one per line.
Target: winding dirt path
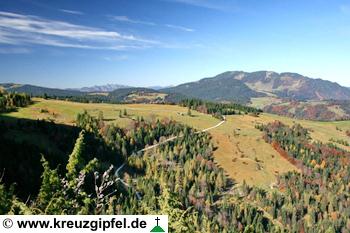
(163, 142)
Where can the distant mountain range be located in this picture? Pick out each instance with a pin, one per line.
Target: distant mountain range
(110, 88)
(221, 88)
(293, 86)
(102, 88)
(231, 86)
(39, 91)
(242, 86)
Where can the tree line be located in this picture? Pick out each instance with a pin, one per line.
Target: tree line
(218, 109)
(10, 101)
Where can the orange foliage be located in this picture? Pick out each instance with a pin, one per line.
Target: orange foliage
(334, 216)
(283, 153)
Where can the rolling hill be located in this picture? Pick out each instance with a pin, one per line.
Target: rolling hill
(120, 95)
(39, 91)
(143, 95)
(230, 86)
(287, 94)
(246, 151)
(222, 88)
(293, 86)
(331, 110)
(242, 86)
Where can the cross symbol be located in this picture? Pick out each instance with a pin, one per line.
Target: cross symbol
(157, 219)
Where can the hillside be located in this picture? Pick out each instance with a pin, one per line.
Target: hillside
(286, 94)
(120, 95)
(207, 173)
(231, 86)
(293, 86)
(237, 140)
(334, 110)
(39, 91)
(221, 88)
(129, 95)
(136, 95)
(243, 86)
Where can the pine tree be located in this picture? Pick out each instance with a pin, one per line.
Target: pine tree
(6, 197)
(50, 184)
(76, 160)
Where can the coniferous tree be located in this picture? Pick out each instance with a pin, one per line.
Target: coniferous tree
(76, 160)
(50, 185)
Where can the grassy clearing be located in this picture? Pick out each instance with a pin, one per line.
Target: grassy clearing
(148, 96)
(244, 155)
(240, 148)
(262, 102)
(319, 130)
(65, 112)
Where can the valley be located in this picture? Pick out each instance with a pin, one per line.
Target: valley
(286, 94)
(213, 157)
(240, 148)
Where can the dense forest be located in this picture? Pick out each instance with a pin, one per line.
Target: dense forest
(331, 110)
(221, 88)
(317, 197)
(119, 96)
(218, 110)
(178, 178)
(10, 101)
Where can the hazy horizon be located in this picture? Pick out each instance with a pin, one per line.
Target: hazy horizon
(73, 44)
(147, 86)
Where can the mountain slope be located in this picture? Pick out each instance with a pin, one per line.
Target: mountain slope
(293, 86)
(242, 86)
(222, 87)
(333, 110)
(40, 91)
(143, 95)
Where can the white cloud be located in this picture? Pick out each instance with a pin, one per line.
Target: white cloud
(18, 29)
(134, 21)
(72, 12)
(123, 18)
(221, 5)
(180, 28)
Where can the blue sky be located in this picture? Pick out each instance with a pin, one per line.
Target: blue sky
(165, 42)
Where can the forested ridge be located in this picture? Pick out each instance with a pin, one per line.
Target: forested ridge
(315, 199)
(119, 96)
(218, 110)
(179, 178)
(333, 110)
(77, 174)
